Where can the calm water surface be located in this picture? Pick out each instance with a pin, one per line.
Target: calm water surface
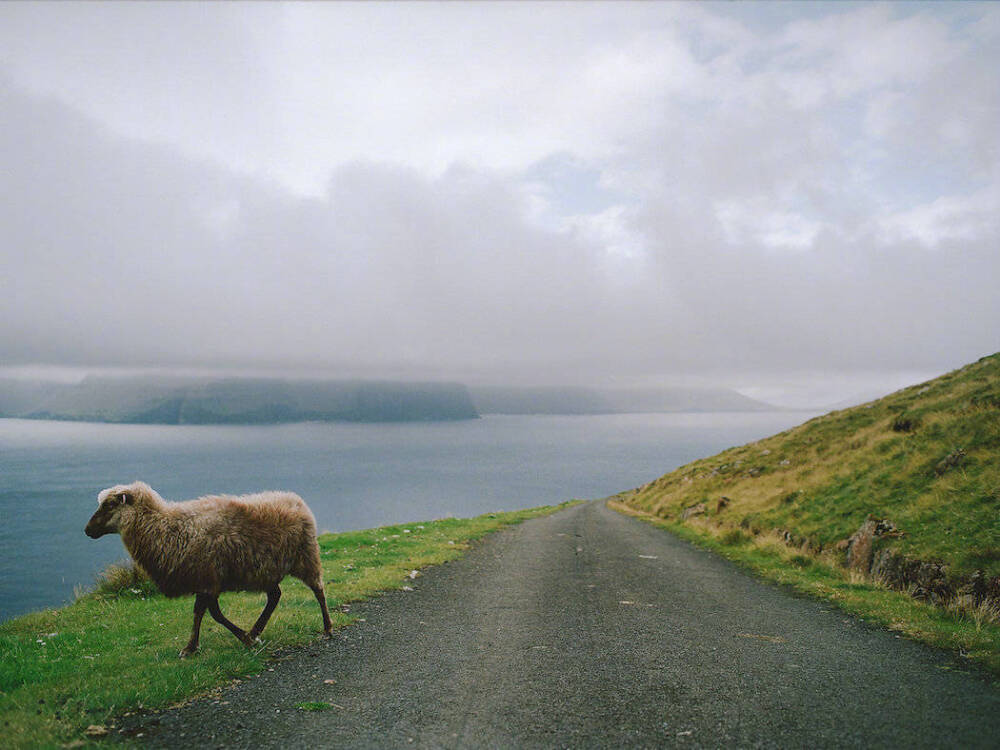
(352, 476)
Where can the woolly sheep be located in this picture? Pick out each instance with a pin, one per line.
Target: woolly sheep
(214, 544)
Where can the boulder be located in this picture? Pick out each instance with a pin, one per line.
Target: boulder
(860, 546)
(693, 510)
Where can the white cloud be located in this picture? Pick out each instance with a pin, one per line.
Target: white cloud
(949, 219)
(745, 223)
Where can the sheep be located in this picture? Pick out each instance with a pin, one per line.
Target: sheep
(214, 544)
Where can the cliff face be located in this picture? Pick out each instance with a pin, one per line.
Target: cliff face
(143, 400)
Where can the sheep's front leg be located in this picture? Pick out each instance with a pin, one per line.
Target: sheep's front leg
(200, 605)
(241, 635)
(272, 601)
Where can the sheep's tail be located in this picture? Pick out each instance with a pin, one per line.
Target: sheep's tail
(308, 568)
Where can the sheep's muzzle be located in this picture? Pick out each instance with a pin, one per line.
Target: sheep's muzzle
(95, 528)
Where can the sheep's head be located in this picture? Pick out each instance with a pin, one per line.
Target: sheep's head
(113, 505)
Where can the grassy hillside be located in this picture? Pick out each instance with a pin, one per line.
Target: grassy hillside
(924, 460)
(927, 458)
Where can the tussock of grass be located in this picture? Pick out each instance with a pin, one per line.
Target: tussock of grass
(121, 579)
(116, 649)
(733, 537)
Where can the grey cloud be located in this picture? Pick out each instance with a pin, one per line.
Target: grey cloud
(722, 207)
(123, 253)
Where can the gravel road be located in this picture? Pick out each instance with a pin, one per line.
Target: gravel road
(592, 629)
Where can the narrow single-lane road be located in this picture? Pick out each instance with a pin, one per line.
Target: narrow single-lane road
(592, 629)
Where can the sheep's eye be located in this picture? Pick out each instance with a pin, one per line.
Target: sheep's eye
(123, 498)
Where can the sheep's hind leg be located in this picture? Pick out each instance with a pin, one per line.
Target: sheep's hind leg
(273, 595)
(317, 589)
(200, 604)
(241, 635)
(310, 572)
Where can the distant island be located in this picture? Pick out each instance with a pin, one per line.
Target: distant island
(175, 400)
(184, 400)
(576, 400)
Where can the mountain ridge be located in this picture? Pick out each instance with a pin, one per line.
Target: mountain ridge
(178, 400)
(174, 399)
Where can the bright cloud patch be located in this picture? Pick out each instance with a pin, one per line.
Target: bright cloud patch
(751, 224)
(949, 219)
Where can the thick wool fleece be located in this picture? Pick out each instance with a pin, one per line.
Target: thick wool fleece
(219, 543)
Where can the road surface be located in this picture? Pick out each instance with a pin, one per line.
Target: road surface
(591, 629)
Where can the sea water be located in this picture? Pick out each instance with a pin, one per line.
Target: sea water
(353, 476)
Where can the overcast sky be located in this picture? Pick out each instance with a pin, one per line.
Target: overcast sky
(780, 197)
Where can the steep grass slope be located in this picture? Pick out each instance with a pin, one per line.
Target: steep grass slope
(927, 458)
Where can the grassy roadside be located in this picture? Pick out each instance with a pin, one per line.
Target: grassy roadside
(890, 508)
(114, 651)
(767, 555)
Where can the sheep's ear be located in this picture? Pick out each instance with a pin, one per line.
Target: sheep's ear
(125, 498)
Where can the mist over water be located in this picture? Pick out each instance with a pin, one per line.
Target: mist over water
(353, 476)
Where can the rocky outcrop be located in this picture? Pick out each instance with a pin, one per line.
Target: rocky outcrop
(923, 579)
(928, 580)
(860, 547)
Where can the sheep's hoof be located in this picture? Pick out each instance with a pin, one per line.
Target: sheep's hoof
(187, 651)
(328, 634)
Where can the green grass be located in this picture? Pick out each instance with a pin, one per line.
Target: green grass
(963, 631)
(938, 479)
(116, 650)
